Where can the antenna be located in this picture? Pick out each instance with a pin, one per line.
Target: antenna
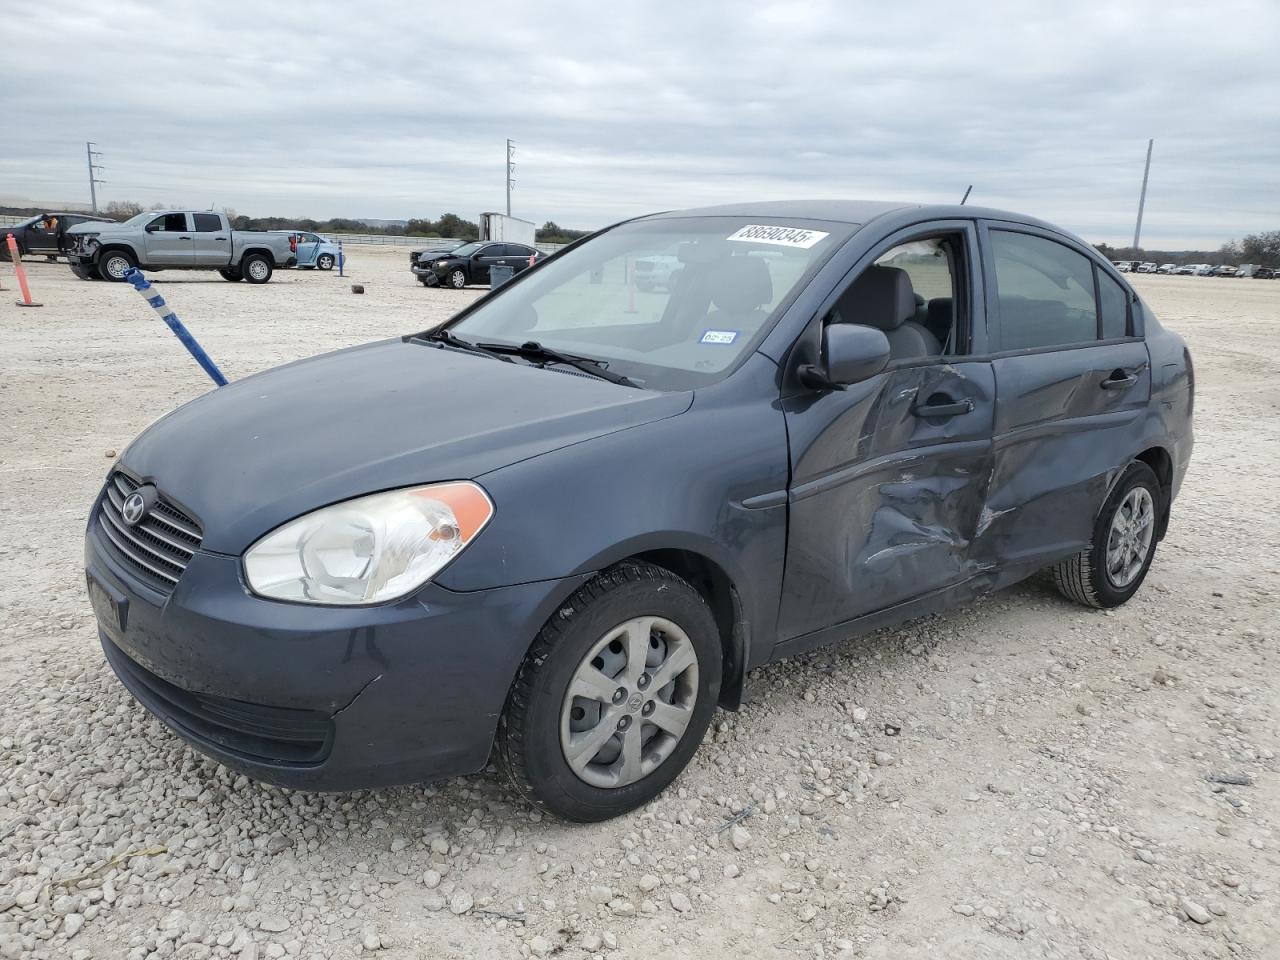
(90, 153)
(966, 195)
(511, 167)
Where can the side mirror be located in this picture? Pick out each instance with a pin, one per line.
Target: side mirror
(151, 228)
(850, 353)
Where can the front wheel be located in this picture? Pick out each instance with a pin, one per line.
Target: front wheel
(614, 696)
(256, 268)
(325, 261)
(458, 279)
(1112, 568)
(114, 264)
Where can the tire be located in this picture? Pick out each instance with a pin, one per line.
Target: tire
(325, 261)
(581, 645)
(458, 278)
(113, 264)
(232, 275)
(255, 268)
(1092, 577)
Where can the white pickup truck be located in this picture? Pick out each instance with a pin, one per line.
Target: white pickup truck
(177, 240)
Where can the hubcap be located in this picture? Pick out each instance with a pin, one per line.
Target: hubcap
(326, 262)
(257, 269)
(459, 279)
(1129, 540)
(629, 702)
(116, 266)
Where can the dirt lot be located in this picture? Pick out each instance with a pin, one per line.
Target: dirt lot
(1047, 794)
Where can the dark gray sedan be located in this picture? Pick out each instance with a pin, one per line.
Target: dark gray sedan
(567, 524)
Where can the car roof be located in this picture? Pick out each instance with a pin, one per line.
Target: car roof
(854, 212)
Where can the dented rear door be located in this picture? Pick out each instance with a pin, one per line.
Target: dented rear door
(885, 499)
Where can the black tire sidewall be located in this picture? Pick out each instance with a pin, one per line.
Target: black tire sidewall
(1136, 474)
(102, 264)
(247, 262)
(558, 787)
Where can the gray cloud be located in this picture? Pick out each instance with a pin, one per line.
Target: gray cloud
(389, 110)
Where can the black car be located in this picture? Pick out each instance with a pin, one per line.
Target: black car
(562, 528)
(470, 263)
(44, 235)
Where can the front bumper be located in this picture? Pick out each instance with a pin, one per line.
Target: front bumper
(310, 697)
(427, 275)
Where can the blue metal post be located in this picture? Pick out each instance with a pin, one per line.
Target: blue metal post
(341, 260)
(143, 286)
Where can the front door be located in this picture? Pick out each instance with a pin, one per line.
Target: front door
(169, 241)
(1073, 379)
(889, 475)
(487, 257)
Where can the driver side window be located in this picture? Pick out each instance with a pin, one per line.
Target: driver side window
(170, 223)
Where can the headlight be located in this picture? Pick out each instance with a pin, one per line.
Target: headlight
(368, 550)
(442, 263)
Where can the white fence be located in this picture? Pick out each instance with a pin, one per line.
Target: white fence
(385, 240)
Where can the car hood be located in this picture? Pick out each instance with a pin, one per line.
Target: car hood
(249, 456)
(90, 226)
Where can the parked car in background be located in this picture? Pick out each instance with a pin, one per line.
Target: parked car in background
(1167, 268)
(559, 530)
(655, 272)
(1223, 270)
(470, 263)
(1188, 269)
(425, 255)
(176, 240)
(1124, 266)
(1147, 267)
(44, 235)
(316, 252)
(1255, 271)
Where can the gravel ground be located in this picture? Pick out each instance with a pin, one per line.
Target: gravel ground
(1022, 778)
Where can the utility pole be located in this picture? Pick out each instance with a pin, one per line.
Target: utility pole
(1142, 199)
(90, 153)
(511, 166)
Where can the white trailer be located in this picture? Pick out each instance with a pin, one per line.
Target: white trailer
(498, 226)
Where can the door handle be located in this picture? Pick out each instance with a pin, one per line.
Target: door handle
(184, 238)
(1118, 380)
(221, 239)
(955, 409)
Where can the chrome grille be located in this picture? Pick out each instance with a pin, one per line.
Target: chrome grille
(161, 544)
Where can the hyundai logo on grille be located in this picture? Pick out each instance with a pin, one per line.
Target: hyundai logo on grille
(137, 505)
(133, 509)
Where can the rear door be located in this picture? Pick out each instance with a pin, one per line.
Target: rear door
(1072, 380)
(211, 241)
(169, 241)
(889, 475)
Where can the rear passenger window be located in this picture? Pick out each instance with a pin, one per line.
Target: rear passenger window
(1045, 292)
(207, 222)
(1113, 307)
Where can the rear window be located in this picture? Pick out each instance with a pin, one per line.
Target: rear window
(207, 222)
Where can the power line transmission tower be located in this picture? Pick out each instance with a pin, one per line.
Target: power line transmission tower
(90, 153)
(511, 166)
(1142, 198)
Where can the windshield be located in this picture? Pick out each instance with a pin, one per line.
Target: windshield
(670, 303)
(139, 219)
(466, 250)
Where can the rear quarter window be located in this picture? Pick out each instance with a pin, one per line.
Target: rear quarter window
(1113, 307)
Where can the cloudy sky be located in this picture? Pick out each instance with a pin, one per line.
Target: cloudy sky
(396, 110)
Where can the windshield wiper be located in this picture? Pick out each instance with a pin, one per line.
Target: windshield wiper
(442, 335)
(532, 350)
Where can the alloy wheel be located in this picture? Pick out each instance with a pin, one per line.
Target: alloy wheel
(1129, 540)
(629, 702)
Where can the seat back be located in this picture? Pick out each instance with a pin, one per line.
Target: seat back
(882, 297)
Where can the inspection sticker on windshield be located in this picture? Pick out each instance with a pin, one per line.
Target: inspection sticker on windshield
(780, 236)
(719, 336)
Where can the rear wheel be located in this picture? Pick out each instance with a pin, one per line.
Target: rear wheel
(1112, 568)
(114, 264)
(256, 268)
(325, 261)
(614, 696)
(229, 274)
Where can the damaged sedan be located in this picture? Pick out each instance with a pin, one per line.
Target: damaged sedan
(561, 529)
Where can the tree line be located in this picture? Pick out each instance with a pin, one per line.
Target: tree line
(1261, 248)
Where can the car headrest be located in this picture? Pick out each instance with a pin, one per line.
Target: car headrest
(740, 284)
(881, 297)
